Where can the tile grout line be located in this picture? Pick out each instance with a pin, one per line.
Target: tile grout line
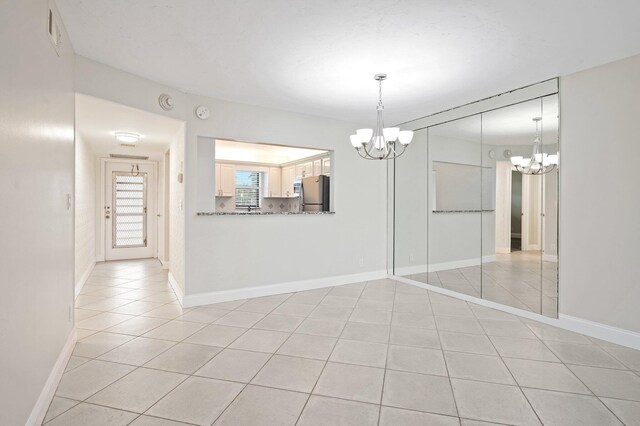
(332, 349)
(446, 366)
(509, 370)
(386, 360)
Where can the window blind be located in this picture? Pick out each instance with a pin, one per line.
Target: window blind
(247, 189)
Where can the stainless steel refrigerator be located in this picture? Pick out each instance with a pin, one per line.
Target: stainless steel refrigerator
(315, 194)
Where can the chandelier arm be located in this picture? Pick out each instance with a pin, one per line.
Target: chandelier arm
(404, 148)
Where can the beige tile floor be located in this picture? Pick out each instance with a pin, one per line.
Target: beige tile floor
(375, 353)
(519, 279)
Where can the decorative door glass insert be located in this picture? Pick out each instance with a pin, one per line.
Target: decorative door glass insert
(129, 210)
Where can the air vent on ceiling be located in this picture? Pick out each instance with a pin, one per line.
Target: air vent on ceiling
(128, 145)
(129, 157)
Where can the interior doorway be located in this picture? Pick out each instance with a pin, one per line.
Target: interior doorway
(519, 210)
(516, 211)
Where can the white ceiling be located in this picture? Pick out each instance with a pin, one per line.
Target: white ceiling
(261, 153)
(319, 57)
(97, 120)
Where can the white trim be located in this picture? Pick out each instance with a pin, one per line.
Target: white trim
(503, 250)
(176, 287)
(590, 328)
(600, 331)
(444, 266)
(46, 395)
(85, 276)
(550, 258)
(282, 288)
(165, 263)
(410, 270)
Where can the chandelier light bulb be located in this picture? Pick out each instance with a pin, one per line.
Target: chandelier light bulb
(390, 133)
(516, 160)
(355, 141)
(405, 137)
(364, 135)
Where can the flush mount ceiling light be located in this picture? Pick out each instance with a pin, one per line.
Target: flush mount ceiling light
(381, 143)
(539, 163)
(127, 137)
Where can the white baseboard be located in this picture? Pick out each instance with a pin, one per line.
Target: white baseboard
(46, 395)
(85, 276)
(503, 250)
(550, 258)
(165, 263)
(600, 331)
(443, 266)
(282, 288)
(590, 328)
(176, 288)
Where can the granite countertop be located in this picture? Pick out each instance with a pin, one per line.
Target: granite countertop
(258, 213)
(461, 211)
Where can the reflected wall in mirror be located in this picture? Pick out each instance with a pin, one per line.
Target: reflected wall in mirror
(410, 228)
(454, 216)
(467, 220)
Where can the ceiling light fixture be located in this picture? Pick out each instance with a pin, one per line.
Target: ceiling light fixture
(127, 137)
(381, 143)
(539, 163)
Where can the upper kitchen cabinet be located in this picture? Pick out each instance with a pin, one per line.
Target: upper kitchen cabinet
(317, 167)
(304, 170)
(274, 182)
(326, 166)
(225, 180)
(288, 178)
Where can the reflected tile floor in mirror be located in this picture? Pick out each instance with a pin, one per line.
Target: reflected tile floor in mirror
(370, 353)
(513, 279)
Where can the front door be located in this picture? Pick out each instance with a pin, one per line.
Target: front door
(129, 211)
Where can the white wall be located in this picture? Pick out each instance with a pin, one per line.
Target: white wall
(85, 211)
(36, 170)
(176, 210)
(234, 252)
(284, 248)
(600, 194)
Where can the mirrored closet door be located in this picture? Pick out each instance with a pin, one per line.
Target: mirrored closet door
(476, 206)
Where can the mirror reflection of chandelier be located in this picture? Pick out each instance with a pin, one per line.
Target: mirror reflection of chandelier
(540, 162)
(381, 143)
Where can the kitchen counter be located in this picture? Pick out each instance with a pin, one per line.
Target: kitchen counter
(258, 213)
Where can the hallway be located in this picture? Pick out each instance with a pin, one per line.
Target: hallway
(369, 353)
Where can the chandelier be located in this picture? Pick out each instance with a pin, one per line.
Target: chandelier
(539, 163)
(381, 143)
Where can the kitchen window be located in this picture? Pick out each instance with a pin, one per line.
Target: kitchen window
(248, 189)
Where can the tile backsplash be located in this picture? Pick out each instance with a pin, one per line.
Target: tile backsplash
(278, 205)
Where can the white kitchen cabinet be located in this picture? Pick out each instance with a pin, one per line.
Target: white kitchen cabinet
(317, 167)
(288, 176)
(304, 169)
(326, 166)
(274, 182)
(225, 180)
